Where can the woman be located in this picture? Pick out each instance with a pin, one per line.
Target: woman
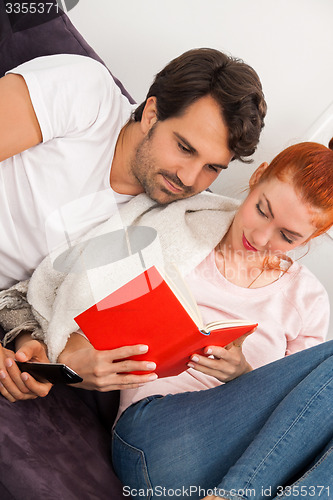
(252, 437)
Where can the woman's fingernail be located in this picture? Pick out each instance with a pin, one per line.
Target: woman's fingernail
(8, 362)
(195, 359)
(143, 348)
(209, 351)
(151, 366)
(153, 376)
(190, 365)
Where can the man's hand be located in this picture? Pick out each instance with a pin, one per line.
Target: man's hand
(228, 363)
(17, 386)
(106, 370)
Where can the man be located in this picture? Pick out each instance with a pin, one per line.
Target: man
(68, 133)
(203, 110)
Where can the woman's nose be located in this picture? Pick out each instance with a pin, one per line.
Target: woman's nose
(261, 237)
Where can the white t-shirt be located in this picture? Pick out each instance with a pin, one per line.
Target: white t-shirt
(55, 191)
(292, 315)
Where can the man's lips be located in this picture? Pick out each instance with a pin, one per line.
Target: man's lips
(248, 245)
(170, 186)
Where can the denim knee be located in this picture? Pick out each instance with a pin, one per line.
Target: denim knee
(130, 466)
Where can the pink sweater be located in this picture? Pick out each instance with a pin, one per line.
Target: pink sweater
(292, 312)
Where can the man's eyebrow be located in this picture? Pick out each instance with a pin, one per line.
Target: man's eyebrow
(284, 228)
(194, 151)
(187, 144)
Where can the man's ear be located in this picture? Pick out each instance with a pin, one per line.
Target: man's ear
(149, 115)
(255, 177)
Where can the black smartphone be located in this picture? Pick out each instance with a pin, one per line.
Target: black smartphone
(56, 373)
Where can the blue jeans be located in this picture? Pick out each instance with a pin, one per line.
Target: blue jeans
(247, 439)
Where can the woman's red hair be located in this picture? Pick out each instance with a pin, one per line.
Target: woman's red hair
(309, 167)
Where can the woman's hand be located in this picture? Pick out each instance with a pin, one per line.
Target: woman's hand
(228, 363)
(17, 386)
(106, 370)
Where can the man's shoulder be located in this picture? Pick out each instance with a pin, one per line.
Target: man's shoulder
(78, 85)
(66, 63)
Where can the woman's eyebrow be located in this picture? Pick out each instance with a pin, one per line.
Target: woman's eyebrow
(269, 206)
(292, 232)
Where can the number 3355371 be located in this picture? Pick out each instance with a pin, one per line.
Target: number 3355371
(30, 7)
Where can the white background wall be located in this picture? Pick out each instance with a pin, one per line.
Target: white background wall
(288, 42)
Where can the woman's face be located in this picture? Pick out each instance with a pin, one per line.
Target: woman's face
(272, 219)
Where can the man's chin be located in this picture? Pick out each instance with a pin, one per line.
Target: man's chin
(165, 197)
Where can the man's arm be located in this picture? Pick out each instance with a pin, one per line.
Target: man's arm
(19, 127)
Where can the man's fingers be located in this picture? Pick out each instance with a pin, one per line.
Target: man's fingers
(12, 379)
(5, 393)
(17, 386)
(37, 389)
(16, 389)
(32, 350)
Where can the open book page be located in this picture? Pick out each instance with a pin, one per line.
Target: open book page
(216, 325)
(176, 282)
(178, 285)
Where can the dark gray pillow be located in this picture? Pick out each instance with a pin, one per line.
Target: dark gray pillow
(24, 36)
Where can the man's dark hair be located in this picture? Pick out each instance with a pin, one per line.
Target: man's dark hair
(233, 84)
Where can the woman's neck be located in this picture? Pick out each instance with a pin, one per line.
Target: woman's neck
(246, 269)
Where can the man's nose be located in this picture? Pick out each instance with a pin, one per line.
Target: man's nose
(189, 173)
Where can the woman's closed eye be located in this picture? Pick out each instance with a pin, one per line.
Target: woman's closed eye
(260, 211)
(285, 237)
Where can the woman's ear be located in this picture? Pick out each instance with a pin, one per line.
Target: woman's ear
(149, 115)
(255, 177)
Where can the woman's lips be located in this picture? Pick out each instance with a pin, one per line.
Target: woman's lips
(248, 245)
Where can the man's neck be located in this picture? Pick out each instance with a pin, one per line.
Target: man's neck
(121, 178)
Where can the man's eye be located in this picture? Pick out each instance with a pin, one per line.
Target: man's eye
(183, 148)
(214, 169)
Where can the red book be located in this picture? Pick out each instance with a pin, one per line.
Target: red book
(153, 310)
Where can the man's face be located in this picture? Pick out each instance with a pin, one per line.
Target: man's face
(181, 156)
